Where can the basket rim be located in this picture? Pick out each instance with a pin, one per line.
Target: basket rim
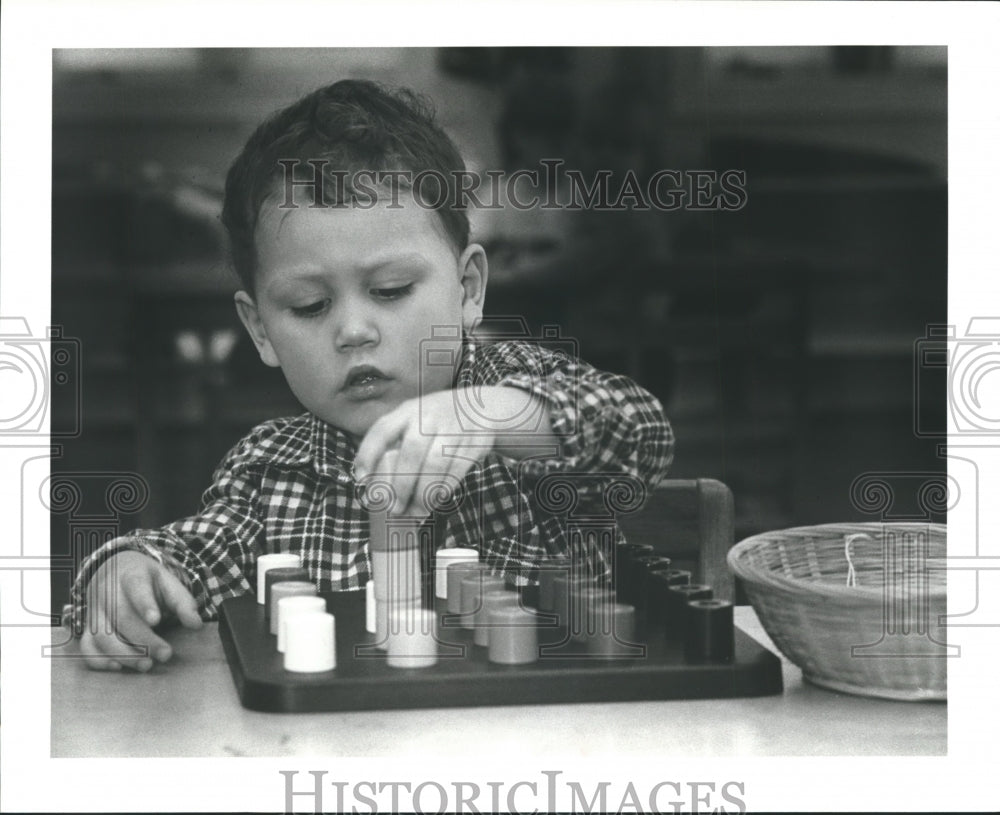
(805, 589)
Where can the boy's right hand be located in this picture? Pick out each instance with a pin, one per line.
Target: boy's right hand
(128, 595)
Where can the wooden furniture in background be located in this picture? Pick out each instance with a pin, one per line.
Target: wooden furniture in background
(692, 522)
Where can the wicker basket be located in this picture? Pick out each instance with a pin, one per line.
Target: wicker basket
(858, 607)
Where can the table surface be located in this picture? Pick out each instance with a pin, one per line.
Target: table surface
(189, 707)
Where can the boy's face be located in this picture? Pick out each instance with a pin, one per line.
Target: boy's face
(345, 297)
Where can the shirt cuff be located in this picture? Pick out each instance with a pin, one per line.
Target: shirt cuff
(74, 613)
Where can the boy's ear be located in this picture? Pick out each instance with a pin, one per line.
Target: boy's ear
(250, 317)
(473, 272)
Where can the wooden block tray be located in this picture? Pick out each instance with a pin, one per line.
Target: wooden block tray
(464, 676)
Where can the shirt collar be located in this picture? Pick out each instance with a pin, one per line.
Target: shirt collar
(332, 449)
(468, 361)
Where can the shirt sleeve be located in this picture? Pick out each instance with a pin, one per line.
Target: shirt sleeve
(212, 552)
(606, 423)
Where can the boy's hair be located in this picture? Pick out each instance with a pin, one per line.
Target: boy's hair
(353, 125)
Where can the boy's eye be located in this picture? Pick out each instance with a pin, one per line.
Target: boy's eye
(311, 310)
(392, 292)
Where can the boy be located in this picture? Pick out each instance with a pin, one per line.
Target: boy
(352, 284)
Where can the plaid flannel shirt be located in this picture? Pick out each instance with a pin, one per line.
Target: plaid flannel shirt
(288, 486)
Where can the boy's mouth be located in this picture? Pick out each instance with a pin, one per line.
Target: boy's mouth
(365, 380)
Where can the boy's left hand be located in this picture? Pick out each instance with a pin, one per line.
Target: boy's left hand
(419, 446)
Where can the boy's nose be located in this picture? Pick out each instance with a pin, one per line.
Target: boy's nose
(355, 328)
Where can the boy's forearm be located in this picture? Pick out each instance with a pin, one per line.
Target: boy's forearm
(593, 420)
(521, 421)
(638, 438)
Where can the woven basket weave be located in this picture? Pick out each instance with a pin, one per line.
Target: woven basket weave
(858, 607)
